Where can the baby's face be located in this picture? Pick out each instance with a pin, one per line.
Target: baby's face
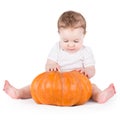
(71, 40)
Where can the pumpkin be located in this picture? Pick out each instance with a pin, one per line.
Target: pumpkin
(61, 88)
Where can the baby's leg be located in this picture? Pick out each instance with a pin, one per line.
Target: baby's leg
(102, 96)
(23, 93)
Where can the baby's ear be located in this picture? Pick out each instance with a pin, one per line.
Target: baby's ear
(85, 32)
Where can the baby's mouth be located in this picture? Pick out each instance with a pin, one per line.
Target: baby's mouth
(71, 49)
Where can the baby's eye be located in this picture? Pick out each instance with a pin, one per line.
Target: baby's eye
(76, 41)
(65, 41)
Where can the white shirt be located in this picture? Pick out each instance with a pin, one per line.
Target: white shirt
(70, 61)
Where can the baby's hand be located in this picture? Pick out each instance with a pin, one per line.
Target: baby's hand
(88, 71)
(52, 67)
(82, 70)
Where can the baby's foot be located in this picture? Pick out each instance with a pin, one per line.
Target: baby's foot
(106, 94)
(10, 90)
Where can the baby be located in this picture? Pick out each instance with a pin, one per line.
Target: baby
(69, 54)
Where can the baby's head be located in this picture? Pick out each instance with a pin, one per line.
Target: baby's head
(72, 28)
(71, 19)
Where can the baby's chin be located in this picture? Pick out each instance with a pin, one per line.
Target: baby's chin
(71, 50)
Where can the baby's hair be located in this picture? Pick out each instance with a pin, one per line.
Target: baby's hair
(71, 19)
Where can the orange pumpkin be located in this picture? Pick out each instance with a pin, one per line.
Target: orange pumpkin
(61, 88)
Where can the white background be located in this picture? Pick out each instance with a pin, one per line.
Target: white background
(28, 30)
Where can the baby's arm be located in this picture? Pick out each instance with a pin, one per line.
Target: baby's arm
(88, 71)
(52, 66)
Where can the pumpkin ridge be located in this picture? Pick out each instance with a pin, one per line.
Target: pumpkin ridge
(62, 88)
(78, 80)
(34, 87)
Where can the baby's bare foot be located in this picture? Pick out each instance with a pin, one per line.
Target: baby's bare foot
(10, 90)
(106, 94)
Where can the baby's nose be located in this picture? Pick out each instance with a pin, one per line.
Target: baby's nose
(71, 44)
